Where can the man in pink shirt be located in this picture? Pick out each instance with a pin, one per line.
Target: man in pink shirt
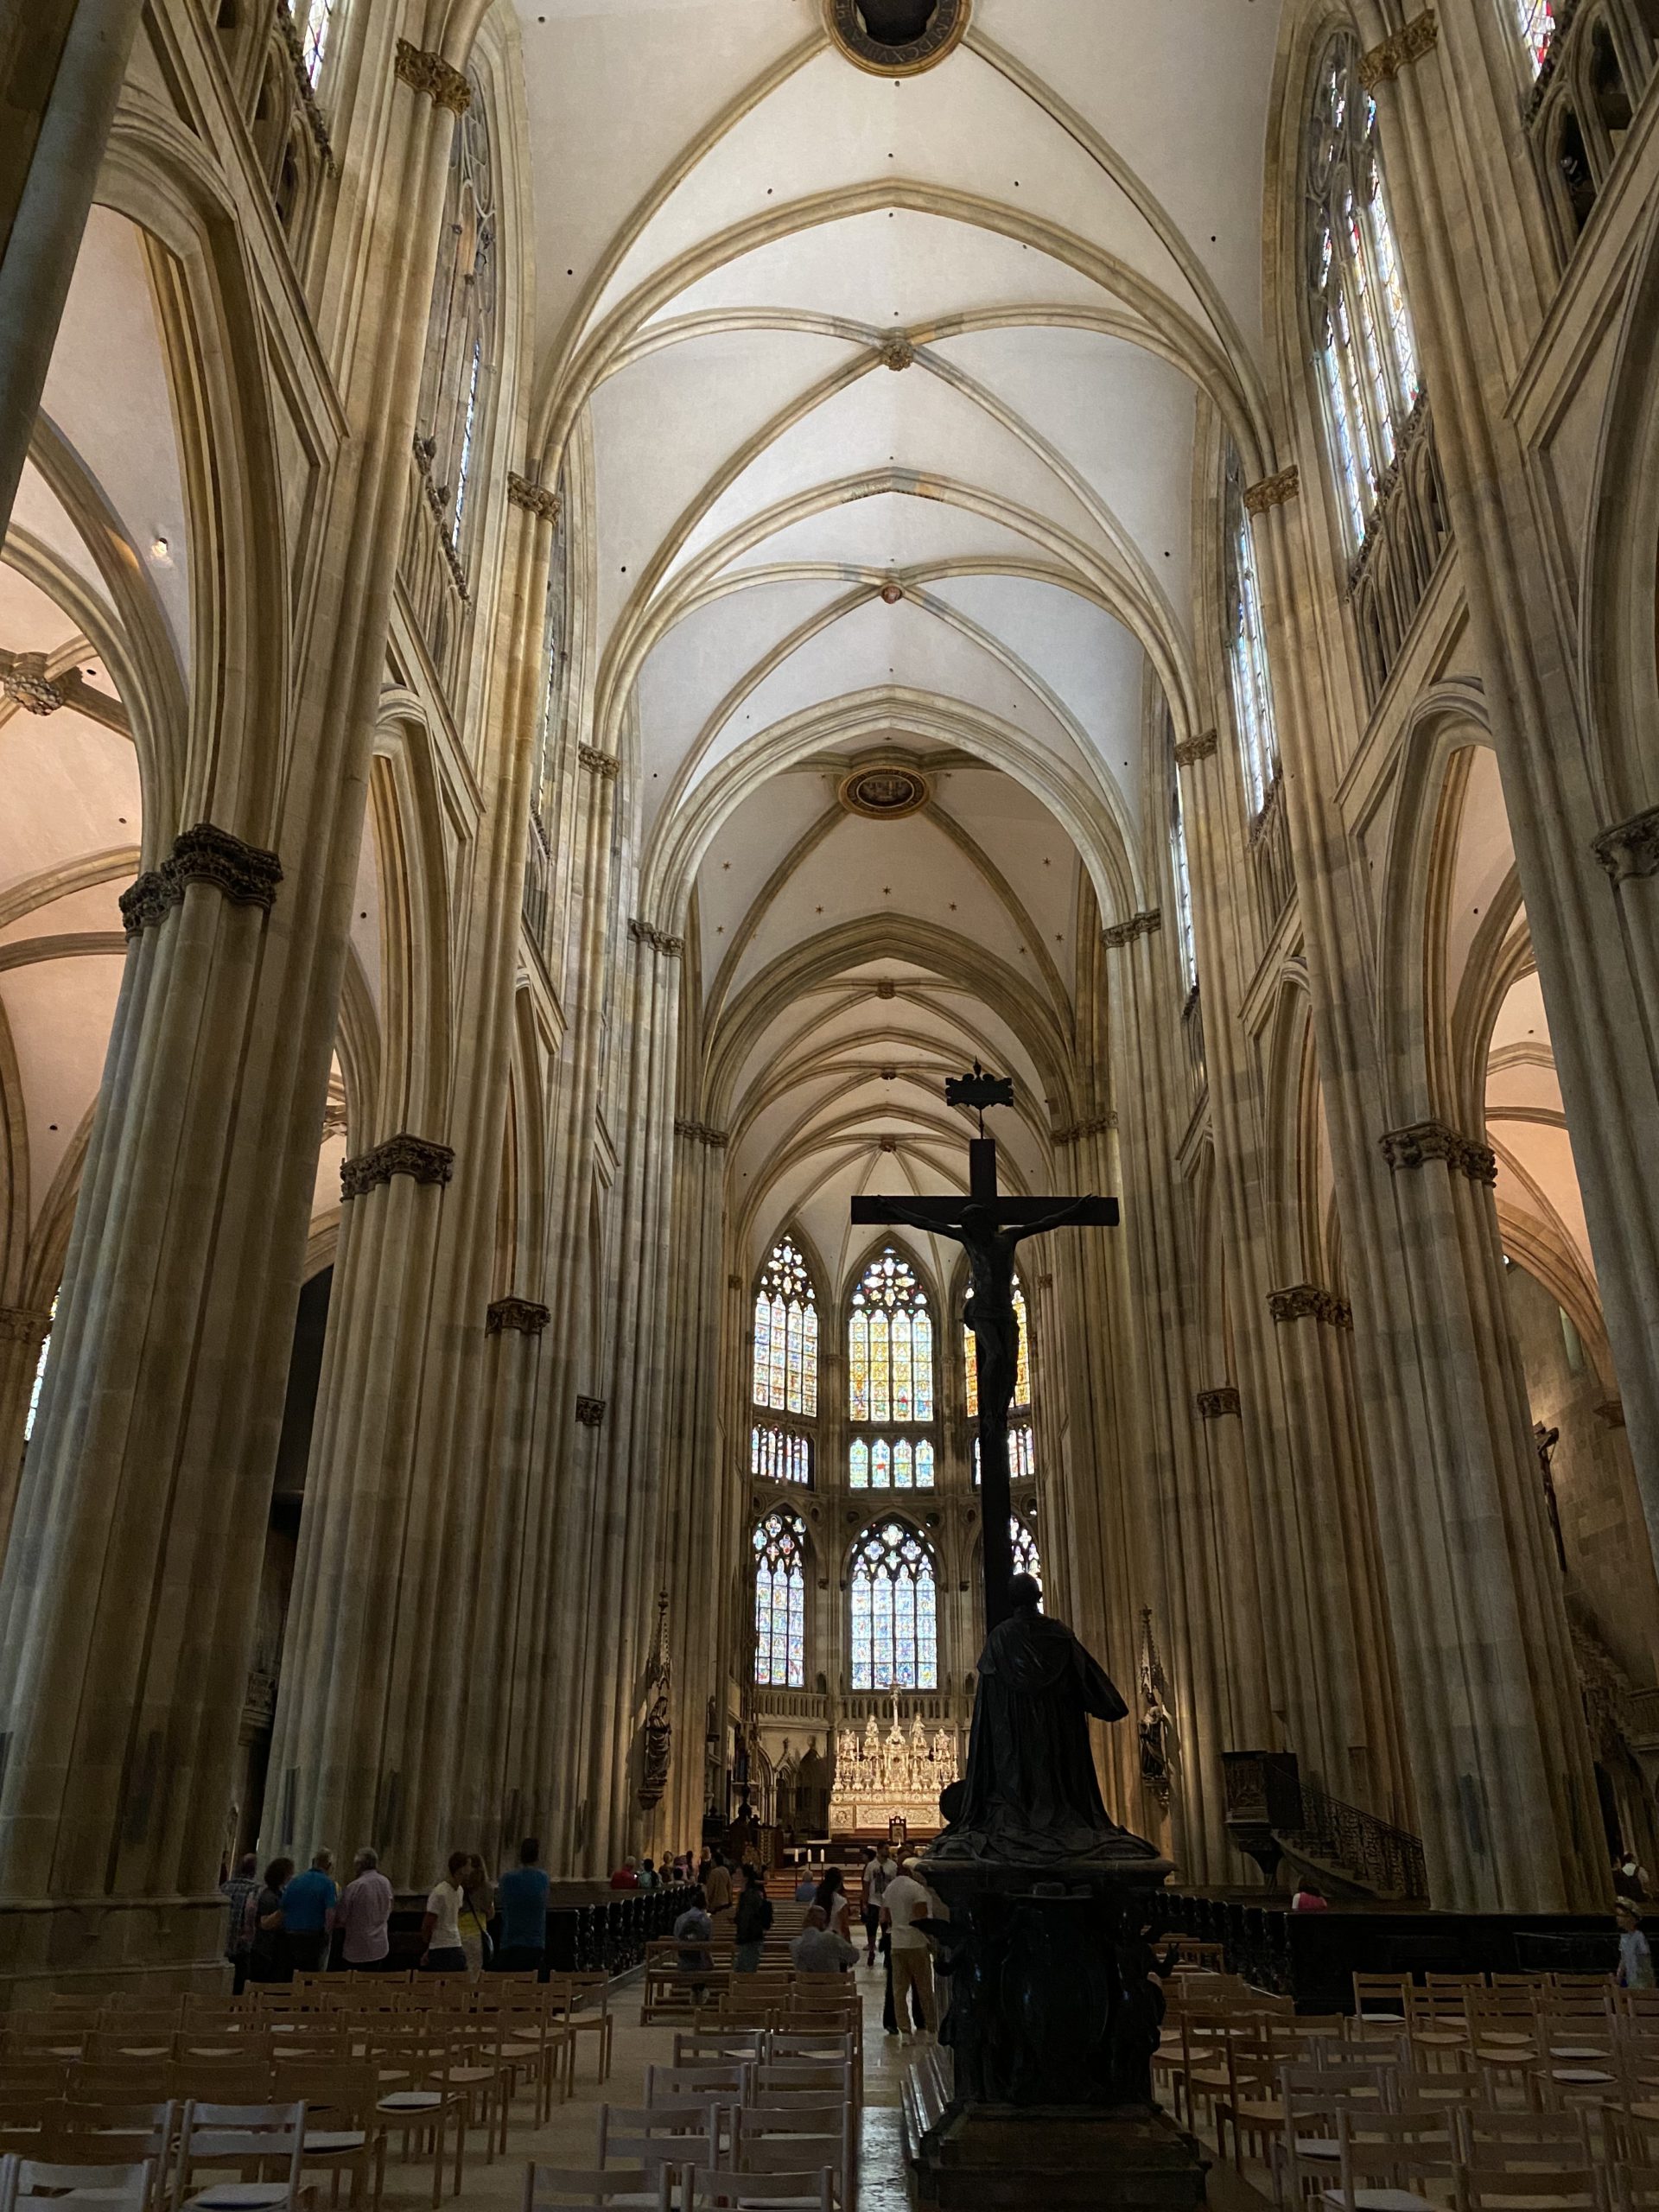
(362, 1914)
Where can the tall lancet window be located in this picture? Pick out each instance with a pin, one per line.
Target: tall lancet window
(890, 1378)
(1536, 21)
(780, 1603)
(1247, 654)
(1026, 1559)
(1023, 1457)
(1181, 869)
(318, 21)
(785, 1379)
(1363, 341)
(39, 1383)
(459, 371)
(892, 1610)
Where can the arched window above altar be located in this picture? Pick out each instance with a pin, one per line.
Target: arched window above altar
(890, 1386)
(1022, 1452)
(892, 1610)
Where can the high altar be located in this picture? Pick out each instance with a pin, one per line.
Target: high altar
(899, 1776)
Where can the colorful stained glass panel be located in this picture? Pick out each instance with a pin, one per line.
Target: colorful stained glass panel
(892, 1611)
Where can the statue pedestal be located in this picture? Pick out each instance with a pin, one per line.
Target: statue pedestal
(1054, 2014)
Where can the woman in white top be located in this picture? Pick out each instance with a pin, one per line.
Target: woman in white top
(440, 1929)
(832, 1896)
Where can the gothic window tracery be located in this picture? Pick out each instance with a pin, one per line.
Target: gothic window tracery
(459, 371)
(314, 38)
(890, 1378)
(892, 1610)
(1535, 22)
(1026, 1559)
(780, 1603)
(1247, 650)
(1181, 869)
(784, 1374)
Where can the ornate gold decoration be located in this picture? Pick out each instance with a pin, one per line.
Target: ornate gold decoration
(246, 875)
(898, 1775)
(897, 353)
(943, 29)
(24, 681)
(589, 1412)
(1306, 1300)
(1630, 847)
(884, 791)
(1409, 43)
(537, 500)
(1194, 749)
(20, 1325)
(416, 1157)
(643, 933)
(597, 763)
(528, 1316)
(1213, 1404)
(1272, 491)
(1120, 933)
(1422, 1141)
(430, 73)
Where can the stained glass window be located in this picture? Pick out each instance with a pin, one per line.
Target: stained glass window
(1178, 866)
(1025, 1560)
(1022, 1453)
(890, 1345)
(1022, 1372)
(787, 1335)
(780, 1602)
(892, 1610)
(459, 369)
(887, 1462)
(1363, 344)
(39, 1383)
(1248, 650)
(778, 1455)
(1536, 21)
(314, 39)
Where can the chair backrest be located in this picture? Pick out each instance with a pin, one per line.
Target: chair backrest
(1381, 1995)
(684, 2134)
(220, 2082)
(726, 2082)
(1491, 2139)
(571, 2189)
(140, 2084)
(765, 2154)
(1485, 2188)
(117, 2189)
(814, 2044)
(800, 2189)
(701, 2048)
(1415, 2087)
(228, 2133)
(1393, 2150)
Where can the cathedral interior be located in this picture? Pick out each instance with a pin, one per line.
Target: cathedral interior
(646, 582)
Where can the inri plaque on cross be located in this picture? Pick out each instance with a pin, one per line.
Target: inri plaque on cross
(988, 1226)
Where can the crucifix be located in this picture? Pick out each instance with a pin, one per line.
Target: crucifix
(987, 1227)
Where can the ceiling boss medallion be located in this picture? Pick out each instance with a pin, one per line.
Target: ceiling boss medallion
(885, 791)
(896, 38)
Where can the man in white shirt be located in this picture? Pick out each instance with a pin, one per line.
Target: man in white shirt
(441, 1930)
(904, 1901)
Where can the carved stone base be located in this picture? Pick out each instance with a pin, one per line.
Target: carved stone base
(101, 1946)
(994, 2156)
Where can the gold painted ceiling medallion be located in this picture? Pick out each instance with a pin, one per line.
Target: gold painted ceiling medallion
(896, 38)
(884, 791)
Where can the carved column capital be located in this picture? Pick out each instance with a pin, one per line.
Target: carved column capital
(1409, 43)
(1142, 925)
(1630, 847)
(20, 1325)
(537, 500)
(1094, 1127)
(423, 71)
(24, 681)
(702, 1132)
(416, 1157)
(590, 1412)
(1422, 1141)
(597, 763)
(643, 933)
(1213, 1405)
(1272, 491)
(245, 874)
(524, 1315)
(1303, 1300)
(148, 899)
(1191, 750)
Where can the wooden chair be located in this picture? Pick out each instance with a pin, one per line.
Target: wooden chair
(1388, 2160)
(669, 2138)
(1501, 2033)
(567, 2188)
(773, 2191)
(727, 2083)
(95, 2136)
(1437, 2020)
(1305, 2148)
(417, 2098)
(800, 2138)
(1251, 2102)
(220, 2081)
(63, 2187)
(704, 2046)
(575, 1993)
(1382, 1997)
(1576, 2034)
(249, 2138)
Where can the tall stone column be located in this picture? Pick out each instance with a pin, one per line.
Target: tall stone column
(129, 1599)
(62, 63)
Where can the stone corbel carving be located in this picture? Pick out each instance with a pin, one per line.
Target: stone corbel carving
(1305, 1299)
(19, 1324)
(416, 1157)
(590, 1412)
(597, 763)
(422, 72)
(1409, 43)
(526, 1315)
(642, 933)
(1191, 750)
(1119, 933)
(1422, 1141)
(245, 874)
(702, 1132)
(1630, 847)
(1272, 491)
(537, 500)
(1213, 1405)
(1095, 1125)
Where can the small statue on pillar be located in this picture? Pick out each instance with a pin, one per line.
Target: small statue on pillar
(659, 1725)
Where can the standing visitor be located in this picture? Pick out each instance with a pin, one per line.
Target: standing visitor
(904, 1901)
(440, 1946)
(832, 1896)
(1635, 1959)
(753, 1918)
(718, 1891)
(1630, 1879)
(268, 1960)
(694, 1926)
(477, 1911)
(871, 1882)
(309, 1904)
(364, 1918)
(522, 1896)
(241, 1894)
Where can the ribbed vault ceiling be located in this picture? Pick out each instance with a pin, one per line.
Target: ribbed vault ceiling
(890, 390)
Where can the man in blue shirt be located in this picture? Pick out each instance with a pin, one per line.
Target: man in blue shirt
(309, 1904)
(521, 1899)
